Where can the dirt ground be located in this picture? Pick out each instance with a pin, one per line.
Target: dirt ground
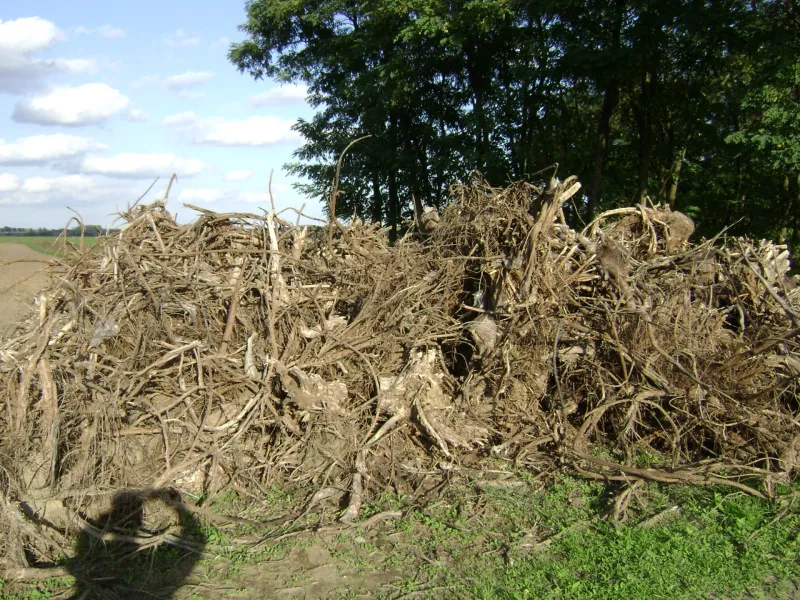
(19, 284)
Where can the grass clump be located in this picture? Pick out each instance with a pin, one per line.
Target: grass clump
(718, 544)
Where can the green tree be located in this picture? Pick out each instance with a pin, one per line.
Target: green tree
(690, 103)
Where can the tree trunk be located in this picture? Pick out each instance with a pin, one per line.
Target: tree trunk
(744, 211)
(787, 205)
(729, 204)
(610, 101)
(394, 199)
(663, 190)
(477, 86)
(645, 148)
(377, 200)
(417, 211)
(675, 177)
(394, 207)
(610, 98)
(425, 185)
(416, 168)
(644, 166)
(796, 224)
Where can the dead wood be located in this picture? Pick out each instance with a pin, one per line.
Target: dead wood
(244, 352)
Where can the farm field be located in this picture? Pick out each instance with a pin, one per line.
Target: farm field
(19, 281)
(45, 244)
(22, 263)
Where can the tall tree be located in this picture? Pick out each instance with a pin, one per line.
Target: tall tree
(690, 103)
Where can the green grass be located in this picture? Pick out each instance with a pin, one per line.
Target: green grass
(44, 591)
(529, 541)
(53, 246)
(721, 544)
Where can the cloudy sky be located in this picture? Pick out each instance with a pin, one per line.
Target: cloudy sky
(97, 99)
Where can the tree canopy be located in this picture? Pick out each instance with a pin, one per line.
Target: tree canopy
(693, 103)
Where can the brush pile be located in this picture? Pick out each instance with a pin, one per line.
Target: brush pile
(242, 352)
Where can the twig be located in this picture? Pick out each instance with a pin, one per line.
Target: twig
(226, 336)
(660, 517)
(335, 193)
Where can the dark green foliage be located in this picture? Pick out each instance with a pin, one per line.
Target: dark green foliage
(692, 103)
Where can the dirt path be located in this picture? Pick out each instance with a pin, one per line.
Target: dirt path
(19, 284)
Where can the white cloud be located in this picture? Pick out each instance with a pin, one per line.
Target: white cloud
(180, 39)
(222, 42)
(262, 130)
(41, 190)
(19, 41)
(110, 32)
(231, 106)
(189, 79)
(240, 175)
(106, 31)
(96, 197)
(287, 94)
(144, 81)
(41, 149)
(8, 182)
(18, 198)
(138, 116)
(75, 65)
(183, 84)
(135, 165)
(254, 197)
(74, 106)
(28, 35)
(191, 95)
(113, 64)
(193, 196)
(211, 195)
(181, 120)
(65, 184)
(278, 190)
(254, 131)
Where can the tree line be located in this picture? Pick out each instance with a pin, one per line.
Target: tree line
(689, 102)
(89, 231)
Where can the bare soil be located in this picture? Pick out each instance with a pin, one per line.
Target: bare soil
(19, 284)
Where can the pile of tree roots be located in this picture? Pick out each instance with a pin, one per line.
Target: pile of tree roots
(244, 351)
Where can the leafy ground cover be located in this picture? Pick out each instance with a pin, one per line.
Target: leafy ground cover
(514, 538)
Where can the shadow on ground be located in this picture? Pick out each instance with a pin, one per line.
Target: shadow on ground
(118, 557)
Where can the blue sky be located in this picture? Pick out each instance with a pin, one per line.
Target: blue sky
(99, 98)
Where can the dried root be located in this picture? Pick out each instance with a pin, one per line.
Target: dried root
(247, 352)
